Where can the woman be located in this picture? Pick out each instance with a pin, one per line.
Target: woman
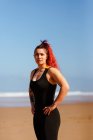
(43, 82)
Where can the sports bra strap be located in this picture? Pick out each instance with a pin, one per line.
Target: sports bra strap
(34, 73)
(46, 70)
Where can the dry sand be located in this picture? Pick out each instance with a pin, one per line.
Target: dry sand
(76, 123)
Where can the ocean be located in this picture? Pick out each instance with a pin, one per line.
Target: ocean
(21, 99)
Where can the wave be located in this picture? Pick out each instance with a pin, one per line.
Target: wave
(26, 94)
(14, 94)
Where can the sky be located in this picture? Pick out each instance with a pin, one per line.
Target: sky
(68, 27)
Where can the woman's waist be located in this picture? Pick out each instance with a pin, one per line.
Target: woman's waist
(54, 114)
(41, 105)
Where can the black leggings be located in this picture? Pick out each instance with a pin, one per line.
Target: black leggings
(46, 127)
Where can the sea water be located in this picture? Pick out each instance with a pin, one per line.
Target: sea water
(21, 99)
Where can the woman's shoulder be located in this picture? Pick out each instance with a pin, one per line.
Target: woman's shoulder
(32, 72)
(53, 70)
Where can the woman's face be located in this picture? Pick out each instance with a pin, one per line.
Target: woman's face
(40, 56)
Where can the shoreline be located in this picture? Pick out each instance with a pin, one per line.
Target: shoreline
(22, 99)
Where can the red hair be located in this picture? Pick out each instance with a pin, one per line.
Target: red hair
(51, 60)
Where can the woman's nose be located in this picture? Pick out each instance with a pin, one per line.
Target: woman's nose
(39, 56)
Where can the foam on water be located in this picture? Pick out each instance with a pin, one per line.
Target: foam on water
(14, 94)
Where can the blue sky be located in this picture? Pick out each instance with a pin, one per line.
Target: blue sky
(66, 24)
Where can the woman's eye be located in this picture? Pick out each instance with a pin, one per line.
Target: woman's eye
(36, 54)
(42, 54)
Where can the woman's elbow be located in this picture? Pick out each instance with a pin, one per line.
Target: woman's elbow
(67, 88)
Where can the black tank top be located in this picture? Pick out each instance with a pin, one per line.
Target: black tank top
(43, 90)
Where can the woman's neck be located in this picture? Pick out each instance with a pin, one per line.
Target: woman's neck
(42, 67)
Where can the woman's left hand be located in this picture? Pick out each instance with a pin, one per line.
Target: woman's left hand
(47, 110)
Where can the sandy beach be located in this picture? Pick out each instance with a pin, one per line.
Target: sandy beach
(76, 122)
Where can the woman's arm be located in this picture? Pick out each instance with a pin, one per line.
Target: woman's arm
(61, 81)
(57, 78)
(31, 96)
